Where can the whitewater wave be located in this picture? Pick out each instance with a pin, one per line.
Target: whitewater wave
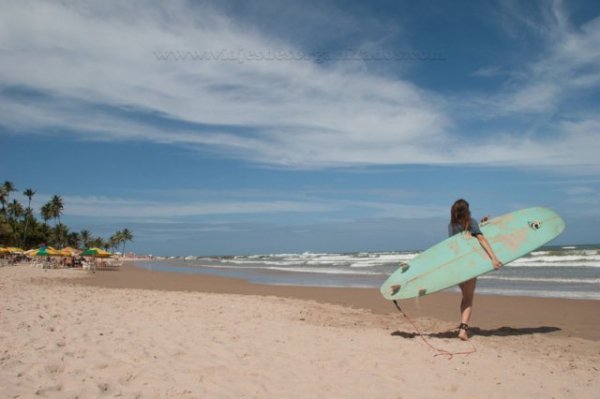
(568, 272)
(543, 279)
(592, 295)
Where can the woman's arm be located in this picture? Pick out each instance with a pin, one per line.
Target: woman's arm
(488, 249)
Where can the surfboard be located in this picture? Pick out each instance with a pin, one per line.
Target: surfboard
(461, 257)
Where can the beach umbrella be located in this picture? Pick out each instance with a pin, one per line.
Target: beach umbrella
(13, 250)
(47, 251)
(62, 252)
(96, 252)
(3, 250)
(69, 251)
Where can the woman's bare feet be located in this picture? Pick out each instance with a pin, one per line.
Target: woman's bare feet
(463, 332)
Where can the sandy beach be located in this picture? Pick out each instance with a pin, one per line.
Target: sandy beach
(148, 334)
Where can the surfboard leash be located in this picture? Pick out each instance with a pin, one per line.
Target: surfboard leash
(440, 352)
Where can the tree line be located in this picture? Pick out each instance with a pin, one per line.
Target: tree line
(19, 226)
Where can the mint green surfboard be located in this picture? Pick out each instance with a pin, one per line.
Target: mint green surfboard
(461, 257)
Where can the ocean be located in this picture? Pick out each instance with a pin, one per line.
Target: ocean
(558, 272)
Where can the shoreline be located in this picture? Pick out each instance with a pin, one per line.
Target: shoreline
(492, 314)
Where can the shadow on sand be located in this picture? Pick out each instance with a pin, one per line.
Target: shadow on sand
(497, 332)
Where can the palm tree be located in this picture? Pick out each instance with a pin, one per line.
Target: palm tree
(115, 240)
(29, 193)
(61, 232)
(15, 211)
(46, 212)
(86, 237)
(126, 235)
(7, 188)
(56, 206)
(44, 234)
(74, 239)
(3, 199)
(98, 242)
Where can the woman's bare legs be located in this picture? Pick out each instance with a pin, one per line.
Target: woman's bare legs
(466, 305)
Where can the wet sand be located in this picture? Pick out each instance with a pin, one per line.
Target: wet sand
(561, 317)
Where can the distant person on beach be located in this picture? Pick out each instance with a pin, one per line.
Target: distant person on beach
(461, 220)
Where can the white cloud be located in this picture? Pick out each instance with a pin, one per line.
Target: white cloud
(112, 207)
(532, 98)
(106, 56)
(298, 113)
(566, 62)
(579, 190)
(182, 204)
(403, 211)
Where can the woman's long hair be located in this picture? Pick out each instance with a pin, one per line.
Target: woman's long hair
(460, 214)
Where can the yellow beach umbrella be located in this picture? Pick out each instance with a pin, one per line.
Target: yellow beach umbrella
(71, 249)
(14, 250)
(68, 251)
(96, 252)
(3, 250)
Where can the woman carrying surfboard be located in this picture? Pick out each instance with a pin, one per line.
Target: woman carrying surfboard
(461, 220)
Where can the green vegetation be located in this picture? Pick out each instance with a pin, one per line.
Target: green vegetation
(19, 226)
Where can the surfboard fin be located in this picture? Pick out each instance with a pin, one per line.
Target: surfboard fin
(395, 289)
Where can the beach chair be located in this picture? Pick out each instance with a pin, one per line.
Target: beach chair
(114, 264)
(86, 265)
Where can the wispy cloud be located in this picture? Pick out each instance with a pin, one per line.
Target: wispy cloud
(569, 67)
(546, 109)
(114, 207)
(95, 70)
(178, 208)
(564, 63)
(299, 110)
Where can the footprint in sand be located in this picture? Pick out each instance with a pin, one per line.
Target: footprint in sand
(52, 388)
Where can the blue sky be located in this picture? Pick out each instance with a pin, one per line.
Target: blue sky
(237, 127)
